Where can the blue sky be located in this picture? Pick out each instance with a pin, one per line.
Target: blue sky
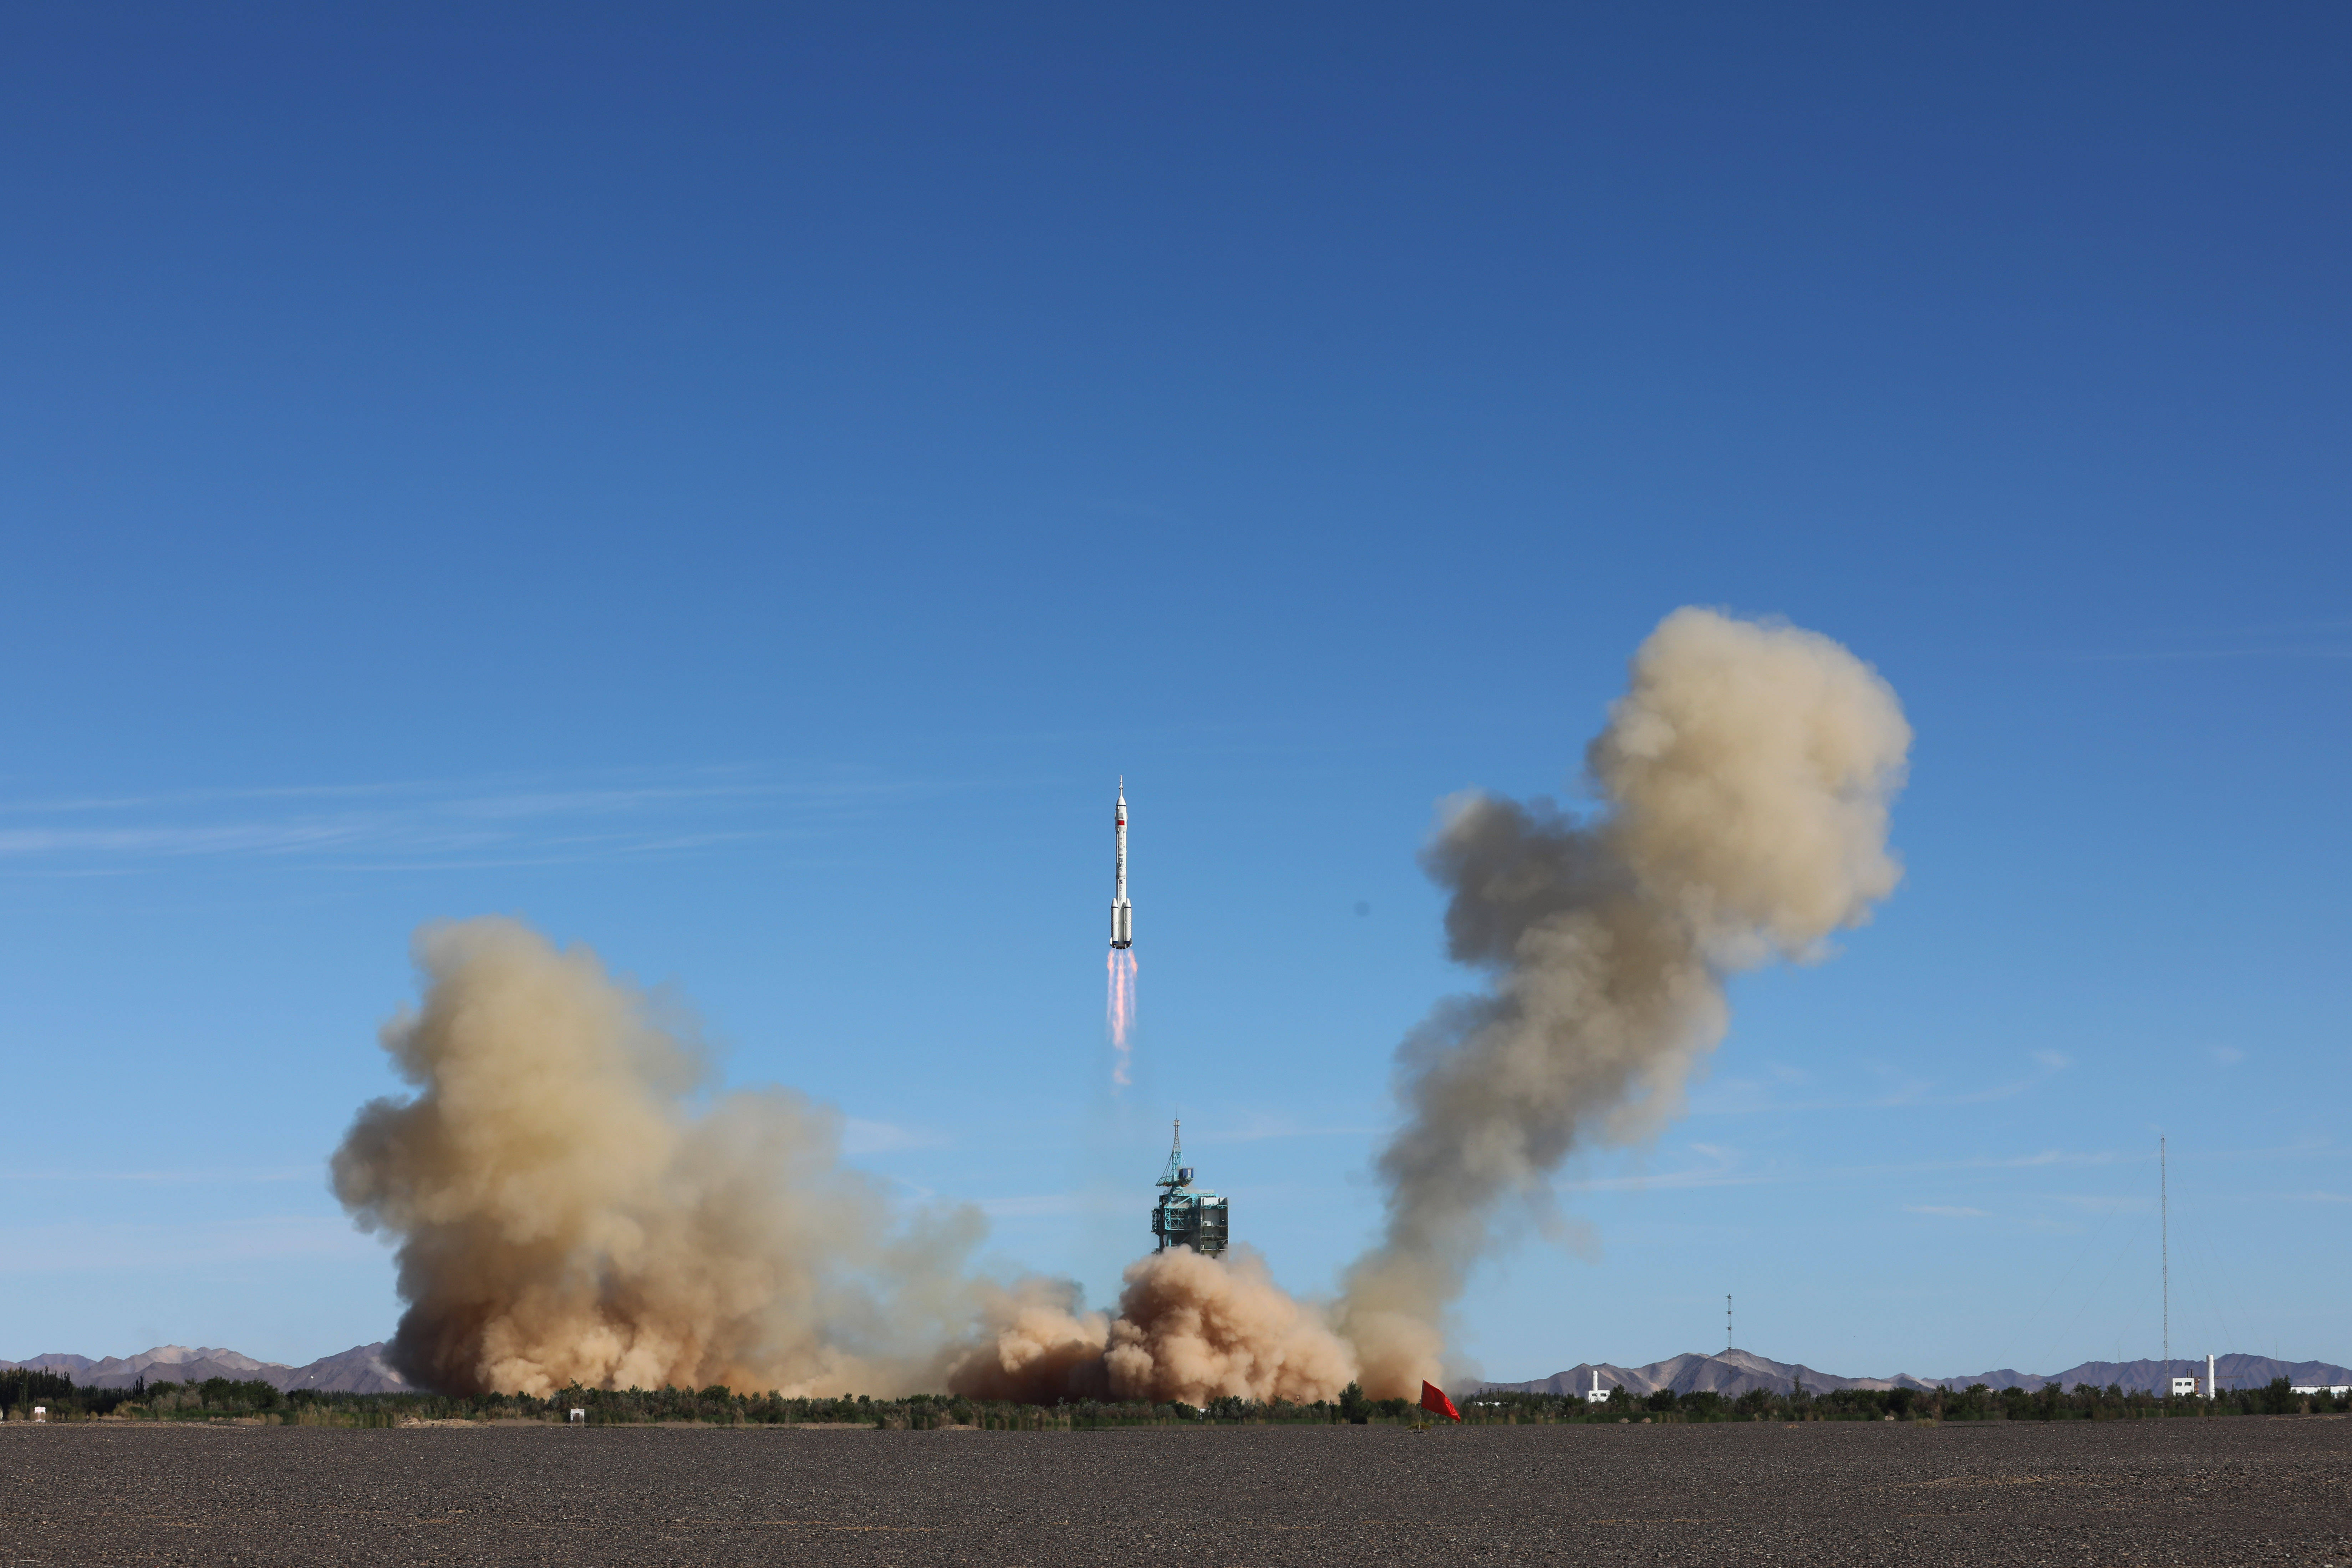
(732, 486)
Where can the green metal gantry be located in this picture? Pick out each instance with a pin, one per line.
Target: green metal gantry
(1184, 1217)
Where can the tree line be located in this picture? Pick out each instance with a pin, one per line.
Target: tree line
(222, 1398)
(2084, 1402)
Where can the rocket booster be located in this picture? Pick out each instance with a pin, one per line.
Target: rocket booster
(1122, 914)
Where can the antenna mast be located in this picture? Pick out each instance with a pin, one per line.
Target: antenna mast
(2164, 1253)
(1726, 1323)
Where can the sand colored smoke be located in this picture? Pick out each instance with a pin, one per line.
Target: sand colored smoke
(572, 1203)
(1189, 1329)
(569, 1210)
(566, 1211)
(1744, 781)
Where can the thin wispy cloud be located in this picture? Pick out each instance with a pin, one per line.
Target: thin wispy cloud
(99, 1248)
(1258, 1126)
(175, 1178)
(233, 838)
(2319, 639)
(1721, 1168)
(859, 1136)
(1752, 1096)
(2213, 655)
(1718, 1165)
(1048, 1205)
(436, 825)
(2046, 1157)
(2102, 1203)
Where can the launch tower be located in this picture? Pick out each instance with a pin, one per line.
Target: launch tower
(1184, 1217)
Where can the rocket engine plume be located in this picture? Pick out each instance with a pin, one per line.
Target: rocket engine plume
(565, 1213)
(1119, 1011)
(1746, 776)
(1120, 1008)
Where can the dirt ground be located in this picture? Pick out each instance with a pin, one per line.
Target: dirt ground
(2243, 1491)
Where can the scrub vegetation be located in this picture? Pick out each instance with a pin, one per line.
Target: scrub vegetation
(221, 1399)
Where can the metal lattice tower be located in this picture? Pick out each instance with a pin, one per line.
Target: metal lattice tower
(1184, 1216)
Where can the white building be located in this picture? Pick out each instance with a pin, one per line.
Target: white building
(2184, 1388)
(1596, 1394)
(2338, 1389)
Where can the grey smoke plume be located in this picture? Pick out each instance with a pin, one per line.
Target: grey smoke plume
(567, 1211)
(1745, 776)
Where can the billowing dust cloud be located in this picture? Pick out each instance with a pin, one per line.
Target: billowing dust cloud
(1746, 777)
(1189, 1328)
(565, 1212)
(568, 1209)
(572, 1204)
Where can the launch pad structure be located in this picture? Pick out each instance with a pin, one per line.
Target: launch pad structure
(1183, 1216)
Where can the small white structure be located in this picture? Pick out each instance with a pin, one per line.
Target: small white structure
(1596, 1394)
(2184, 1388)
(2338, 1389)
(578, 1415)
(2213, 1389)
(40, 1413)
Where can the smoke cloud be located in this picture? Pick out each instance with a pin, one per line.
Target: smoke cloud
(572, 1206)
(572, 1202)
(1189, 1329)
(566, 1211)
(1745, 779)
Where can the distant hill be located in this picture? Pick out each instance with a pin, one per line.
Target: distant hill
(1734, 1373)
(360, 1370)
(1729, 1372)
(2234, 1372)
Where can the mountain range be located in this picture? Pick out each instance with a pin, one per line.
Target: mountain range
(360, 1370)
(1733, 1372)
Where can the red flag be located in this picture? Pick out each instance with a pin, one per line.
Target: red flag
(1434, 1400)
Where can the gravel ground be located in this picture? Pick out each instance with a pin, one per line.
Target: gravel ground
(2243, 1491)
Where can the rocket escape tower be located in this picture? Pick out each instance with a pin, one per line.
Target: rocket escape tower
(1183, 1217)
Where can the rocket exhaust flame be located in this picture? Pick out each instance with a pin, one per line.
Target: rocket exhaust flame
(1120, 1012)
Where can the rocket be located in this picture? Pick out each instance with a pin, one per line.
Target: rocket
(1122, 914)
